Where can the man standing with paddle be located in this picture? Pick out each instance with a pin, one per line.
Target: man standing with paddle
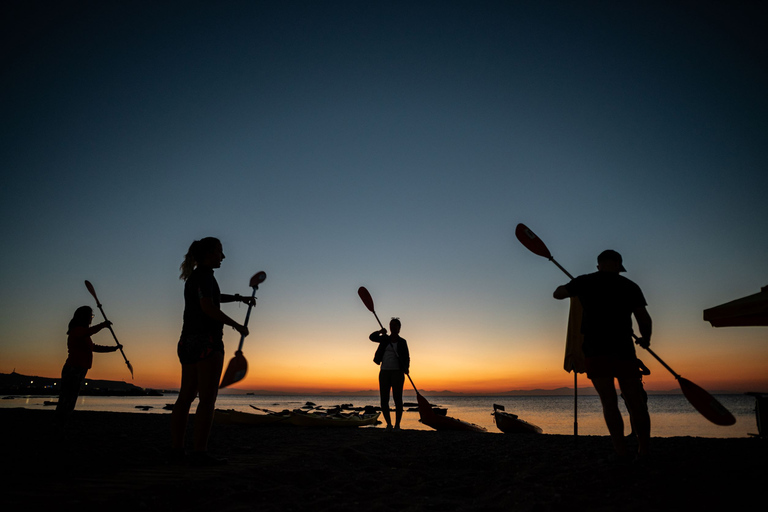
(609, 301)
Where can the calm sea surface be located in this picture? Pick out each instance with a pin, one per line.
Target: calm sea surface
(671, 415)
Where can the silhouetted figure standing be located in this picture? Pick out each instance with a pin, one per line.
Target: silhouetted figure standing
(80, 359)
(395, 360)
(201, 348)
(609, 301)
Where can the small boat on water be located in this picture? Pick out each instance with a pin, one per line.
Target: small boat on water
(314, 419)
(442, 422)
(510, 423)
(232, 417)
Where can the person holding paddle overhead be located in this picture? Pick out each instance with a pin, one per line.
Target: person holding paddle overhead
(395, 360)
(80, 359)
(201, 348)
(609, 301)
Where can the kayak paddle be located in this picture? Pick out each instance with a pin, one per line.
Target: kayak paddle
(92, 291)
(701, 400)
(238, 365)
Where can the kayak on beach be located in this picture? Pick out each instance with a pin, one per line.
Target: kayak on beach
(510, 423)
(442, 422)
(314, 419)
(232, 417)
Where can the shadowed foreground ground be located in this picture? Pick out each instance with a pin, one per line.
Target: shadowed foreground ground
(116, 462)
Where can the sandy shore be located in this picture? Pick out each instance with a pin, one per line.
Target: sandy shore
(116, 462)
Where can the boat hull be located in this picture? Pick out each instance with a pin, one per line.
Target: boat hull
(232, 417)
(440, 422)
(303, 419)
(511, 424)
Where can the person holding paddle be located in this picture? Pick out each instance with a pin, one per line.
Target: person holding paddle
(609, 301)
(80, 359)
(201, 348)
(395, 360)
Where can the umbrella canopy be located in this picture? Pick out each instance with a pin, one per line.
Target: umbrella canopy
(746, 311)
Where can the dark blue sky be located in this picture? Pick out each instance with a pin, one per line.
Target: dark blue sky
(391, 144)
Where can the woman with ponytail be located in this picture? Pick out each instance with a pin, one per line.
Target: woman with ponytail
(201, 348)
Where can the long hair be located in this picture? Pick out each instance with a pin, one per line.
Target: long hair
(196, 253)
(81, 318)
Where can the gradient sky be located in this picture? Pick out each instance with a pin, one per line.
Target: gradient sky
(394, 145)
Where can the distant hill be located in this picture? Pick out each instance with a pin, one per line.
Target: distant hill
(18, 384)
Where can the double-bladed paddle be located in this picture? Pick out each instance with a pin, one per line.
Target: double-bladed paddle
(238, 365)
(92, 291)
(701, 400)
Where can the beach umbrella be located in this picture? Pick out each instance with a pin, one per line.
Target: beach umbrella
(751, 310)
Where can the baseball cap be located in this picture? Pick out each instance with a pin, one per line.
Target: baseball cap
(613, 256)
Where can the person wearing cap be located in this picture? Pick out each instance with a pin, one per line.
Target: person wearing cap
(609, 301)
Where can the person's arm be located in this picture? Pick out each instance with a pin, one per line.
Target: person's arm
(224, 297)
(210, 309)
(96, 328)
(376, 335)
(561, 292)
(103, 348)
(645, 324)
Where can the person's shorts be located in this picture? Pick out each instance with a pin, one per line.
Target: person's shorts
(606, 366)
(194, 348)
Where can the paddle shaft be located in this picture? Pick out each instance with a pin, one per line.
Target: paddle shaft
(247, 317)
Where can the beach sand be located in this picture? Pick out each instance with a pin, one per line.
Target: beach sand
(117, 462)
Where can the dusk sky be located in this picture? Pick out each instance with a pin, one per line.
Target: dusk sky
(394, 145)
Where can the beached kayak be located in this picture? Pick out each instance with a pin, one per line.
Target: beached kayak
(510, 423)
(309, 419)
(440, 422)
(232, 417)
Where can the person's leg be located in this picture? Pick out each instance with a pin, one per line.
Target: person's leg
(607, 391)
(635, 399)
(208, 378)
(71, 380)
(397, 394)
(180, 413)
(384, 385)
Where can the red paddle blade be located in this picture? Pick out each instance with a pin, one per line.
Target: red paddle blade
(706, 404)
(365, 296)
(257, 279)
(236, 370)
(532, 242)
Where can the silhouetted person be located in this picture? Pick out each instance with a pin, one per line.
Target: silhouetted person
(609, 301)
(395, 360)
(80, 359)
(201, 348)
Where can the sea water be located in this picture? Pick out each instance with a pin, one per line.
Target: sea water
(671, 415)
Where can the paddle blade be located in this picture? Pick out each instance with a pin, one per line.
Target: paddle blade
(257, 279)
(91, 290)
(365, 296)
(236, 370)
(706, 404)
(425, 408)
(532, 242)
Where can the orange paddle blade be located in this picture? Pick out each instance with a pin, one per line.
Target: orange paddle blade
(236, 370)
(706, 404)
